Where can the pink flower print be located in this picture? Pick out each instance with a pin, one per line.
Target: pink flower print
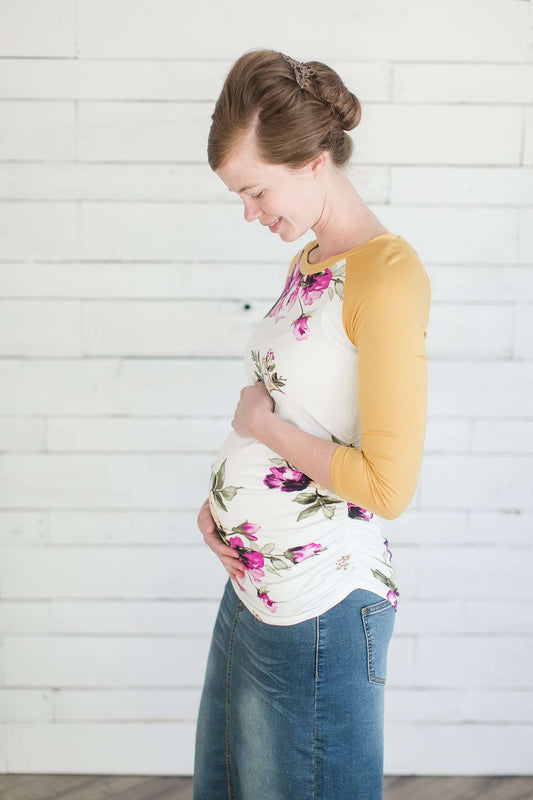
(236, 541)
(270, 604)
(301, 328)
(252, 559)
(314, 286)
(393, 598)
(286, 479)
(288, 296)
(344, 562)
(249, 530)
(297, 554)
(356, 512)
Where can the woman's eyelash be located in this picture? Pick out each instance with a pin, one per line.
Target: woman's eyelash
(257, 196)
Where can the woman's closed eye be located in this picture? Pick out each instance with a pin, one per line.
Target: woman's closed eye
(257, 196)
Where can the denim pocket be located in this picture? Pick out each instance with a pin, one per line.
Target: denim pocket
(378, 622)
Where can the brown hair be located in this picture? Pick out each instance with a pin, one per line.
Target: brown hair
(291, 125)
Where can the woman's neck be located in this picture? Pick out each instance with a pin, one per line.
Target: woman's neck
(345, 222)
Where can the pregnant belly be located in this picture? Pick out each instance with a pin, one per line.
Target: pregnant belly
(290, 532)
(253, 489)
(262, 498)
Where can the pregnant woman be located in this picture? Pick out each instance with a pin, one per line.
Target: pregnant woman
(326, 444)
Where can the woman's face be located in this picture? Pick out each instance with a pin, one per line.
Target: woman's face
(271, 191)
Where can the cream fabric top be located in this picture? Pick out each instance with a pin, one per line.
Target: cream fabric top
(342, 353)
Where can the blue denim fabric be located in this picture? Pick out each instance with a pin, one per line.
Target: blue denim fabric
(294, 712)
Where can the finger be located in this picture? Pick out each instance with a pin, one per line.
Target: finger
(208, 529)
(233, 567)
(236, 574)
(206, 519)
(236, 570)
(225, 553)
(206, 525)
(230, 563)
(215, 543)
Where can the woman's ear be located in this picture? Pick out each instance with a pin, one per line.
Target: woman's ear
(319, 164)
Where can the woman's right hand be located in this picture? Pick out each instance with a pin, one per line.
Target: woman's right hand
(228, 555)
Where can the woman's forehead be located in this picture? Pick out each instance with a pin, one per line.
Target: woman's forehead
(244, 172)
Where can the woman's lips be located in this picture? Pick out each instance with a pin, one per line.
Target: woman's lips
(275, 226)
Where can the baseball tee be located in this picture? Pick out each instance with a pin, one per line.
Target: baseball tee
(342, 352)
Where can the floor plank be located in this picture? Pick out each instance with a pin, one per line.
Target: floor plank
(153, 787)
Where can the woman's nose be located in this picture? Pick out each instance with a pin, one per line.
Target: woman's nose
(250, 213)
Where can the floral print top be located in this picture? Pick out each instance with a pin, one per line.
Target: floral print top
(342, 354)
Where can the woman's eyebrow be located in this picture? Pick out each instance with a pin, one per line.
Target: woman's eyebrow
(244, 188)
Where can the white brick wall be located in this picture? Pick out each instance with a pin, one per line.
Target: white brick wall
(125, 270)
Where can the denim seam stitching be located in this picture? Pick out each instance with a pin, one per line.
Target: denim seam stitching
(228, 701)
(370, 653)
(315, 692)
(378, 607)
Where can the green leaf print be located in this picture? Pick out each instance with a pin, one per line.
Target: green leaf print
(305, 498)
(336, 284)
(221, 475)
(265, 371)
(340, 441)
(386, 580)
(284, 477)
(308, 512)
(328, 500)
(316, 502)
(217, 488)
(256, 358)
(230, 491)
(328, 512)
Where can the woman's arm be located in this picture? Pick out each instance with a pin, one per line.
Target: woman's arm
(254, 417)
(307, 453)
(385, 315)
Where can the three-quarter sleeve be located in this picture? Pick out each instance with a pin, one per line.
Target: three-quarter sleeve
(385, 315)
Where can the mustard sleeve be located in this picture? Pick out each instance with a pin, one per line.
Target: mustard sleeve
(385, 315)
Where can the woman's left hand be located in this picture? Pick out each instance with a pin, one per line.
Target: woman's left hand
(255, 402)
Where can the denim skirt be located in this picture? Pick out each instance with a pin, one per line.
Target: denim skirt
(294, 712)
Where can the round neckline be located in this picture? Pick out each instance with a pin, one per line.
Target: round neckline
(309, 269)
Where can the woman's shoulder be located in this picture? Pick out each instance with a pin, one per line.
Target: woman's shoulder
(389, 261)
(390, 283)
